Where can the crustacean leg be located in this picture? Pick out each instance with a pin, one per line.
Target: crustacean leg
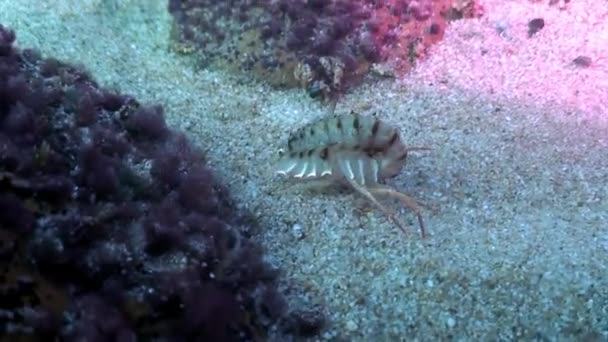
(390, 215)
(406, 200)
(386, 191)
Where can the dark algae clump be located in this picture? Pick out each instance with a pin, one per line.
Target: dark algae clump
(112, 227)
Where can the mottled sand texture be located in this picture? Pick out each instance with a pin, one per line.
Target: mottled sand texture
(516, 183)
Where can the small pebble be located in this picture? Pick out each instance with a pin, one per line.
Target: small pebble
(582, 61)
(297, 231)
(351, 326)
(535, 25)
(501, 27)
(327, 336)
(451, 322)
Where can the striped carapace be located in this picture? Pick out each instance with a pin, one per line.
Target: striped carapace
(358, 150)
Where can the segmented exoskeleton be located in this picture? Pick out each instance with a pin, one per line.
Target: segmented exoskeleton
(359, 150)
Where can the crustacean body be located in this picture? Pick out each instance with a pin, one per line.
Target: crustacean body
(358, 150)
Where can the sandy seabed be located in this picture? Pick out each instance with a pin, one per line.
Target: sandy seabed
(516, 184)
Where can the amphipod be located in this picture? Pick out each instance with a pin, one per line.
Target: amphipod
(360, 151)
